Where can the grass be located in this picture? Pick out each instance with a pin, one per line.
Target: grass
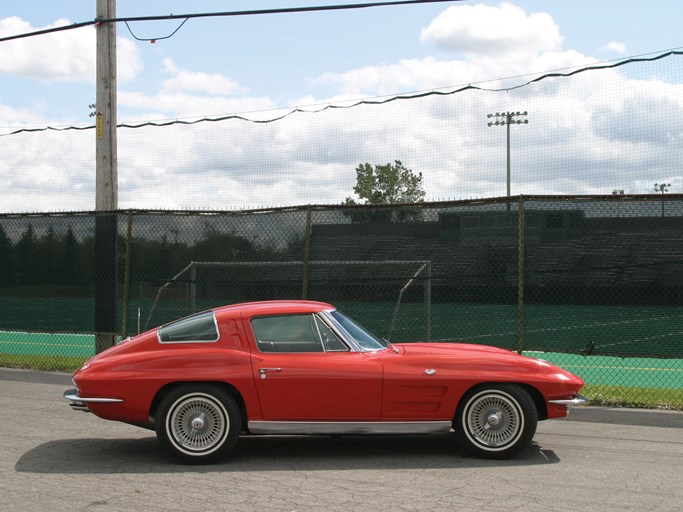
(47, 363)
(634, 397)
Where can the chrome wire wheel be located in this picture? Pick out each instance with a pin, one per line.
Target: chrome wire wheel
(496, 421)
(198, 423)
(493, 420)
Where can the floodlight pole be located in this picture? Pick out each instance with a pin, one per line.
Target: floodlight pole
(506, 119)
(106, 180)
(663, 188)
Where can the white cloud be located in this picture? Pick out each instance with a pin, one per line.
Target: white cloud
(189, 94)
(615, 47)
(480, 30)
(192, 81)
(128, 60)
(67, 56)
(47, 171)
(176, 105)
(489, 43)
(581, 137)
(10, 116)
(430, 73)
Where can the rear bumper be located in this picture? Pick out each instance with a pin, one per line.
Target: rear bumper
(79, 403)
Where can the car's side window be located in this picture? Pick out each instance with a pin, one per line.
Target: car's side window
(199, 328)
(287, 333)
(295, 333)
(330, 340)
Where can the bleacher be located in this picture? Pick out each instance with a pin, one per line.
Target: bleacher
(590, 253)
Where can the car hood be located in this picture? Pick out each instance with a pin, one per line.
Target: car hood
(469, 357)
(453, 349)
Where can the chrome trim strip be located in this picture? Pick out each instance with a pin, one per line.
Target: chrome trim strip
(348, 427)
(577, 400)
(72, 395)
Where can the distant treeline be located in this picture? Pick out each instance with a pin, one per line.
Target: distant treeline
(67, 260)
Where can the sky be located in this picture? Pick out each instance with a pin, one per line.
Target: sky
(261, 66)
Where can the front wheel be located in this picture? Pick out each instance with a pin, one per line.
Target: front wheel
(496, 421)
(198, 423)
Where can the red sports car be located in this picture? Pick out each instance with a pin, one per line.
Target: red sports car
(301, 367)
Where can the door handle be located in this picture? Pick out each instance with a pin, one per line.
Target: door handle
(264, 371)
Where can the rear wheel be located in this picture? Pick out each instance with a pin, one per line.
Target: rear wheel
(198, 423)
(496, 421)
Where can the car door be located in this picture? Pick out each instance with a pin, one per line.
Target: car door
(304, 372)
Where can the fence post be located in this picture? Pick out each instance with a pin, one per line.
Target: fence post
(126, 276)
(428, 302)
(520, 277)
(307, 254)
(106, 301)
(193, 287)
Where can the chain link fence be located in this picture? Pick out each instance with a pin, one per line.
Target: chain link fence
(592, 283)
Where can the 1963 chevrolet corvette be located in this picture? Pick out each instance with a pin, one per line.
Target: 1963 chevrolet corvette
(301, 367)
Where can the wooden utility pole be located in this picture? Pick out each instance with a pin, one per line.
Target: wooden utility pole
(106, 182)
(106, 195)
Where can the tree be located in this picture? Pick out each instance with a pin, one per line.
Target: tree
(382, 185)
(218, 246)
(387, 184)
(24, 252)
(69, 263)
(46, 254)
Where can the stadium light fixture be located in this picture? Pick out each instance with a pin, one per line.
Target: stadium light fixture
(506, 119)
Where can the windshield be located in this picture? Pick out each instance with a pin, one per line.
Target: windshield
(362, 337)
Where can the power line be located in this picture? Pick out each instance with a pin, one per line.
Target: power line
(155, 39)
(283, 10)
(366, 101)
(49, 31)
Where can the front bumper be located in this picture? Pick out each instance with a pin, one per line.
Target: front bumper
(79, 403)
(576, 400)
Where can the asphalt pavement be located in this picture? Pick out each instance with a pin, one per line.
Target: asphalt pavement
(598, 459)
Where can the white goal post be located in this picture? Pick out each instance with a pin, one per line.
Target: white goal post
(419, 270)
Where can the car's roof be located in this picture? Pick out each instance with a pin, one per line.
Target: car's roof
(275, 307)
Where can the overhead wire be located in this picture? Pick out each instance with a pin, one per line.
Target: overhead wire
(253, 12)
(366, 101)
(155, 39)
(284, 10)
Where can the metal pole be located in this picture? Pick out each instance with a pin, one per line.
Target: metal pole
(508, 119)
(520, 278)
(663, 188)
(193, 287)
(307, 255)
(106, 182)
(428, 302)
(126, 278)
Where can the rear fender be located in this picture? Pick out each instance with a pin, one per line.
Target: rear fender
(223, 385)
